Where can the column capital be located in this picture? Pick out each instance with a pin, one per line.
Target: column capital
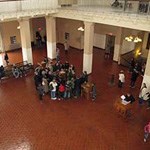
(86, 23)
(23, 19)
(49, 17)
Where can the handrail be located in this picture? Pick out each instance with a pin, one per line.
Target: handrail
(126, 60)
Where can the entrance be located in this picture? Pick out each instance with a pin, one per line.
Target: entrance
(109, 45)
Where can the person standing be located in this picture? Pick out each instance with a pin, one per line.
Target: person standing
(107, 52)
(146, 132)
(6, 58)
(2, 72)
(40, 92)
(57, 54)
(45, 85)
(134, 77)
(143, 95)
(132, 65)
(61, 91)
(66, 47)
(93, 92)
(53, 85)
(121, 79)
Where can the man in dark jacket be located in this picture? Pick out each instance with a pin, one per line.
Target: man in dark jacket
(6, 58)
(40, 92)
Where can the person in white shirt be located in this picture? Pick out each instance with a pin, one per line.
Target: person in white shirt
(121, 79)
(143, 94)
(53, 85)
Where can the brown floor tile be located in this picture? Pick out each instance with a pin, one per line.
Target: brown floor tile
(76, 124)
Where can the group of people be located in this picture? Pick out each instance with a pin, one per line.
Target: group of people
(144, 95)
(135, 69)
(58, 79)
(116, 4)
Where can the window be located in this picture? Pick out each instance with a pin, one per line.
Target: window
(13, 39)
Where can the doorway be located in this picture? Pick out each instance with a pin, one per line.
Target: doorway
(110, 44)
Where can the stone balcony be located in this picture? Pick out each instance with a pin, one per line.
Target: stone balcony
(106, 15)
(97, 14)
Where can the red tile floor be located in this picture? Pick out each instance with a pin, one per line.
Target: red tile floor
(76, 124)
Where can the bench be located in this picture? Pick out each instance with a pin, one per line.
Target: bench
(24, 66)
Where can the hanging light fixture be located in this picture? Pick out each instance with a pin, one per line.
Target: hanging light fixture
(134, 39)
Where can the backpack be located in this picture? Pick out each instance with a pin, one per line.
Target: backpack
(51, 87)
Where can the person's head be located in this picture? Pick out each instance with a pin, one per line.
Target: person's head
(121, 71)
(85, 72)
(144, 85)
(128, 94)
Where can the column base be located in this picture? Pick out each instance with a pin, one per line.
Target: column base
(87, 63)
(51, 50)
(146, 79)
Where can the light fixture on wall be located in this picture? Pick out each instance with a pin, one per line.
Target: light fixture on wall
(134, 39)
(80, 29)
(18, 27)
(2, 19)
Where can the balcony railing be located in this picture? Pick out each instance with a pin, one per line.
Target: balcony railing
(15, 6)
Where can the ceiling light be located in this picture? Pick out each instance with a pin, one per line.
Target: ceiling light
(134, 39)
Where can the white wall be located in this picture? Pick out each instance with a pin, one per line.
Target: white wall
(127, 46)
(99, 40)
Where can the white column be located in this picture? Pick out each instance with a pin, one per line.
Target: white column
(51, 37)
(88, 46)
(1, 48)
(1, 59)
(117, 48)
(146, 78)
(1, 41)
(26, 40)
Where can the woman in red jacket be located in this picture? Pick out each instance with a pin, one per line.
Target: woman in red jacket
(61, 91)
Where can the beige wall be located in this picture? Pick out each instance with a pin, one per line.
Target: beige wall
(102, 30)
(71, 27)
(145, 40)
(10, 29)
